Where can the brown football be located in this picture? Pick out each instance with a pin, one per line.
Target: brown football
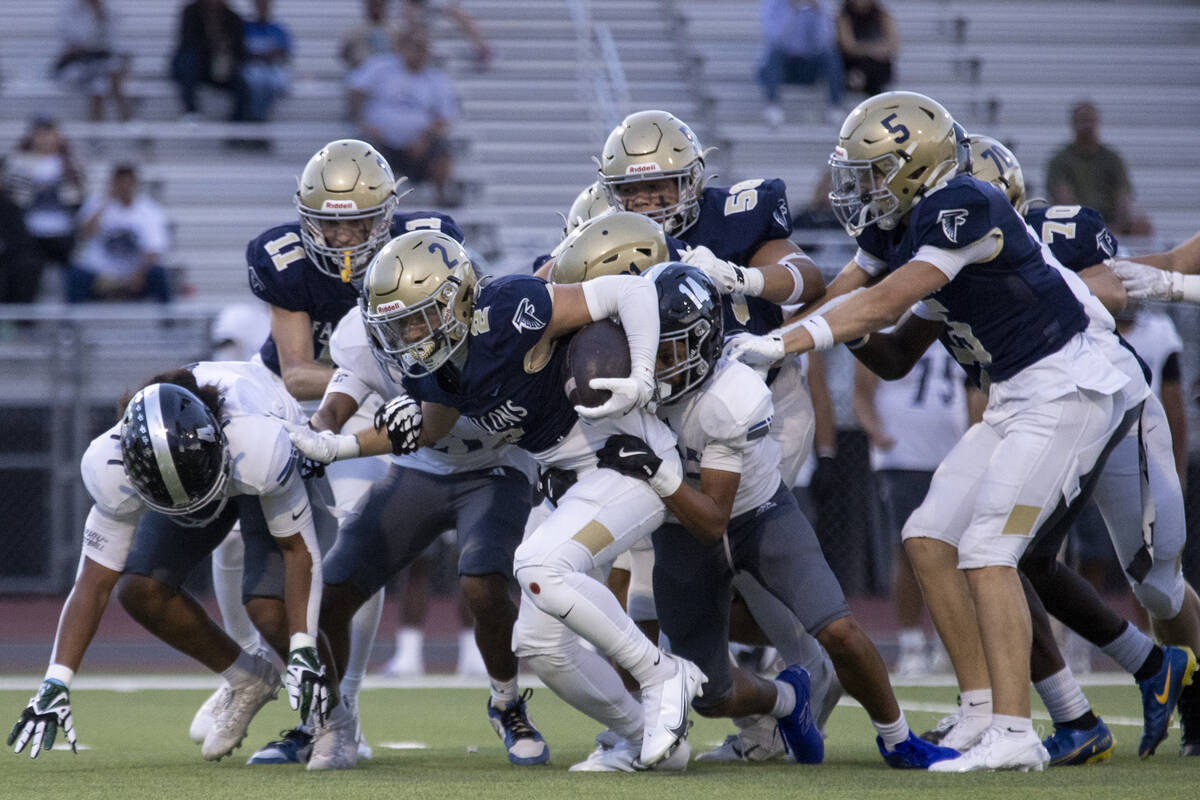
(597, 350)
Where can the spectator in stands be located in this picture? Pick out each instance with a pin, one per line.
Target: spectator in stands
(1089, 173)
(123, 236)
(46, 183)
(418, 15)
(268, 47)
(211, 50)
(18, 252)
(89, 61)
(372, 38)
(800, 46)
(868, 42)
(404, 107)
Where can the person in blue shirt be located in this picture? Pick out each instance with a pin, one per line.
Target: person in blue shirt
(268, 46)
(952, 248)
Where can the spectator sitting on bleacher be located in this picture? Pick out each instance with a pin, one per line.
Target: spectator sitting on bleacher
(1088, 173)
(44, 181)
(868, 42)
(800, 46)
(88, 62)
(268, 49)
(122, 236)
(211, 50)
(18, 253)
(418, 15)
(404, 107)
(372, 38)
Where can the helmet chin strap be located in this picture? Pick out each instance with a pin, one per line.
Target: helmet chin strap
(347, 271)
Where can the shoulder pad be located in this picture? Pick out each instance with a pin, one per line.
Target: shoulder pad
(1076, 235)
(735, 404)
(275, 261)
(426, 220)
(955, 216)
(261, 454)
(104, 475)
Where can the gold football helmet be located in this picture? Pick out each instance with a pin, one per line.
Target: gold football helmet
(996, 164)
(653, 146)
(590, 203)
(346, 199)
(417, 300)
(892, 149)
(616, 243)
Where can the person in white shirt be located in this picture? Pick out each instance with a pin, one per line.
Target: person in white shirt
(122, 239)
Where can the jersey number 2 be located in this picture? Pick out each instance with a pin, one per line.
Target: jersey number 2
(284, 250)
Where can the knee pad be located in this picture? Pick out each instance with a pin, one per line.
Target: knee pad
(543, 585)
(1161, 592)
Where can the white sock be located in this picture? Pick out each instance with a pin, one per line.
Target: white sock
(1130, 649)
(242, 670)
(912, 640)
(976, 703)
(503, 692)
(785, 699)
(1012, 726)
(1063, 696)
(227, 560)
(892, 733)
(409, 640)
(362, 641)
(588, 682)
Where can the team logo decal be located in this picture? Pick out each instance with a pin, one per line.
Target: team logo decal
(951, 219)
(1106, 243)
(525, 319)
(781, 215)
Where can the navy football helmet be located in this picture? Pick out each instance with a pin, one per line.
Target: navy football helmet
(691, 329)
(175, 454)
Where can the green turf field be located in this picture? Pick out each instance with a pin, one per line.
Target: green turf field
(138, 748)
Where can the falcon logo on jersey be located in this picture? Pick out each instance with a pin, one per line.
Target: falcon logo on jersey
(951, 218)
(525, 319)
(637, 169)
(1106, 243)
(782, 216)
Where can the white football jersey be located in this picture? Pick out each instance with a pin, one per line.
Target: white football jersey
(262, 461)
(724, 426)
(925, 412)
(465, 448)
(1155, 338)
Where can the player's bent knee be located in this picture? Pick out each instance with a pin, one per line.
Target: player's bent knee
(841, 637)
(142, 597)
(1162, 600)
(485, 595)
(544, 586)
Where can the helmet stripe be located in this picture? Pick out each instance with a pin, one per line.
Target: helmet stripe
(162, 447)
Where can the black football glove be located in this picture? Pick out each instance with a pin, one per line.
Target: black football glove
(629, 455)
(401, 417)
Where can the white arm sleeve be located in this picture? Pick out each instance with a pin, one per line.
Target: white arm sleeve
(635, 301)
(950, 262)
(346, 382)
(107, 538)
(869, 263)
(288, 511)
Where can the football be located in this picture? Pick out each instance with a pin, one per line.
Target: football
(597, 350)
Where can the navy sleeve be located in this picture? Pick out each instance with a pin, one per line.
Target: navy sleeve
(772, 196)
(273, 260)
(511, 314)
(1076, 235)
(953, 218)
(674, 246)
(426, 220)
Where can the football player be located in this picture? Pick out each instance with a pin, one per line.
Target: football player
(470, 481)
(734, 513)
(195, 450)
(1169, 276)
(489, 352)
(952, 247)
(309, 272)
(1138, 495)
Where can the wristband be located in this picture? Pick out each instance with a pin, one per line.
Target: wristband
(754, 282)
(347, 447)
(820, 332)
(667, 478)
(299, 641)
(826, 451)
(1185, 287)
(60, 674)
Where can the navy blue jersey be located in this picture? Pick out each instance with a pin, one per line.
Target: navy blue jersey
(499, 390)
(734, 222)
(1078, 238)
(282, 275)
(1002, 314)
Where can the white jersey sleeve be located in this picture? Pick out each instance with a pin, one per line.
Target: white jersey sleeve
(358, 372)
(108, 531)
(261, 454)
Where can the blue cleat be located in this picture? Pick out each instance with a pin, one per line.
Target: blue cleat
(801, 737)
(914, 753)
(294, 748)
(524, 744)
(1160, 694)
(1070, 747)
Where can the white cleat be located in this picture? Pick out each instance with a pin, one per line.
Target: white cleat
(623, 757)
(334, 744)
(232, 720)
(999, 748)
(665, 709)
(958, 731)
(203, 721)
(759, 741)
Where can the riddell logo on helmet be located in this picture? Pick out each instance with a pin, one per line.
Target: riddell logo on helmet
(339, 205)
(638, 169)
(392, 305)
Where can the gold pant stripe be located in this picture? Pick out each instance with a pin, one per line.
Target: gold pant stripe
(1021, 520)
(594, 536)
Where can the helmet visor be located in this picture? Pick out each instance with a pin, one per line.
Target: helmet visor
(342, 243)
(651, 195)
(680, 365)
(419, 338)
(860, 196)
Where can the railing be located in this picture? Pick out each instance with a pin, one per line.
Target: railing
(601, 75)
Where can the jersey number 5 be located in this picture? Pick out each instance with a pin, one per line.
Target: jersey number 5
(284, 250)
(742, 196)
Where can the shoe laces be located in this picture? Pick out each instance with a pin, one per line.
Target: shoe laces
(514, 718)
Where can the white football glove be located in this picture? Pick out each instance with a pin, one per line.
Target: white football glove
(323, 447)
(307, 684)
(636, 391)
(1143, 282)
(729, 277)
(755, 351)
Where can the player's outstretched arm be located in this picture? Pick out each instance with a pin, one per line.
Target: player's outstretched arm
(893, 354)
(304, 378)
(789, 276)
